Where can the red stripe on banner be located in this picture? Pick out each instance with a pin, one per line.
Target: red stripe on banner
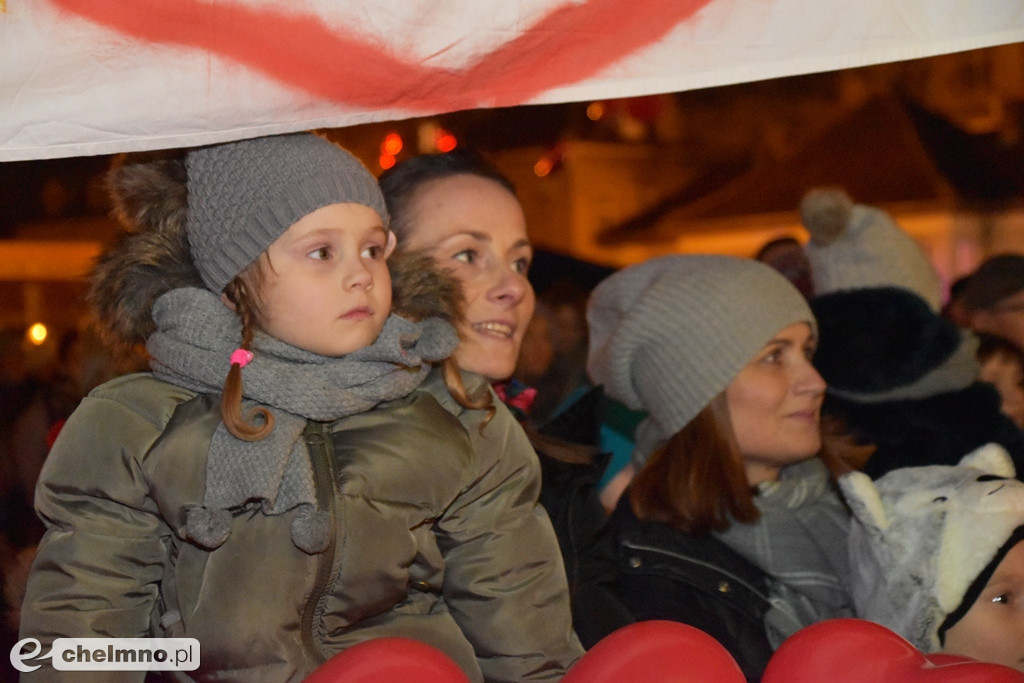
(571, 43)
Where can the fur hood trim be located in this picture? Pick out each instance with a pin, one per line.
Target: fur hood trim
(421, 289)
(153, 256)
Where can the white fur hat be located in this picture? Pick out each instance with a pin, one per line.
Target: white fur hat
(854, 246)
(925, 540)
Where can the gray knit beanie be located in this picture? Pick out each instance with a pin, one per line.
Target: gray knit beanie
(854, 246)
(669, 334)
(243, 195)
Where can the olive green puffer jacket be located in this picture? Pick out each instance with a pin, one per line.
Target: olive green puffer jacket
(437, 536)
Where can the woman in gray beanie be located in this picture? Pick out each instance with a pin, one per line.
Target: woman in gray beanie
(731, 523)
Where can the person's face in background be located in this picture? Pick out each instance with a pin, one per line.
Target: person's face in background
(775, 403)
(788, 257)
(1004, 319)
(476, 228)
(1004, 371)
(568, 328)
(993, 628)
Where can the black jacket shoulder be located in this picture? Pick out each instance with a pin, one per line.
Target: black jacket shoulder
(656, 572)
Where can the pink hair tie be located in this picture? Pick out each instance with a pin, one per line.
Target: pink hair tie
(241, 356)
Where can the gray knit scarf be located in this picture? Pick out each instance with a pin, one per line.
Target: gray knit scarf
(195, 336)
(800, 542)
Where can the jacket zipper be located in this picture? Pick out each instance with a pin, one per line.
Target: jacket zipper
(318, 443)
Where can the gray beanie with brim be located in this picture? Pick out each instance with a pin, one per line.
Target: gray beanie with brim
(668, 335)
(243, 195)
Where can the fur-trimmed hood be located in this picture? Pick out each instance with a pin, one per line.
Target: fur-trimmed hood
(153, 256)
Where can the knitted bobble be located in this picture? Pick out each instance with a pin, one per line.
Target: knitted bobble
(437, 341)
(825, 212)
(311, 530)
(208, 528)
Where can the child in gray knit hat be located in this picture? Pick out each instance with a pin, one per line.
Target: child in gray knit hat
(937, 555)
(294, 476)
(717, 351)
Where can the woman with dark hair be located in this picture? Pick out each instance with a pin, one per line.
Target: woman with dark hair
(731, 524)
(463, 213)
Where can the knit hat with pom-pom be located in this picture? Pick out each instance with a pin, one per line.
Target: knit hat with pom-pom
(880, 344)
(856, 246)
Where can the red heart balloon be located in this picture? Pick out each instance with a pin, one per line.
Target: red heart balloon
(389, 660)
(854, 651)
(663, 651)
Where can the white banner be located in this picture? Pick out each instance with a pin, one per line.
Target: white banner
(82, 77)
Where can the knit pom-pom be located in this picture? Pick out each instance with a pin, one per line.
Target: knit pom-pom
(438, 340)
(825, 213)
(208, 528)
(311, 530)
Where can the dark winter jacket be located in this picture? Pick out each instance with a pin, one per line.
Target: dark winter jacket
(571, 471)
(656, 572)
(933, 431)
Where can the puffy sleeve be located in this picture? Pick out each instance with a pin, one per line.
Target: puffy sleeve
(504, 578)
(99, 565)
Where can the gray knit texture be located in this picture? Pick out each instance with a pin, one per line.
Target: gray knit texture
(854, 246)
(243, 195)
(799, 541)
(192, 346)
(669, 334)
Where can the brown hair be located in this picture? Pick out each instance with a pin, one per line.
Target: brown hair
(481, 400)
(696, 482)
(400, 183)
(841, 451)
(244, 294)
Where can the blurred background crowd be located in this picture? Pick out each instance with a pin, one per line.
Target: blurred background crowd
(935, 148)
